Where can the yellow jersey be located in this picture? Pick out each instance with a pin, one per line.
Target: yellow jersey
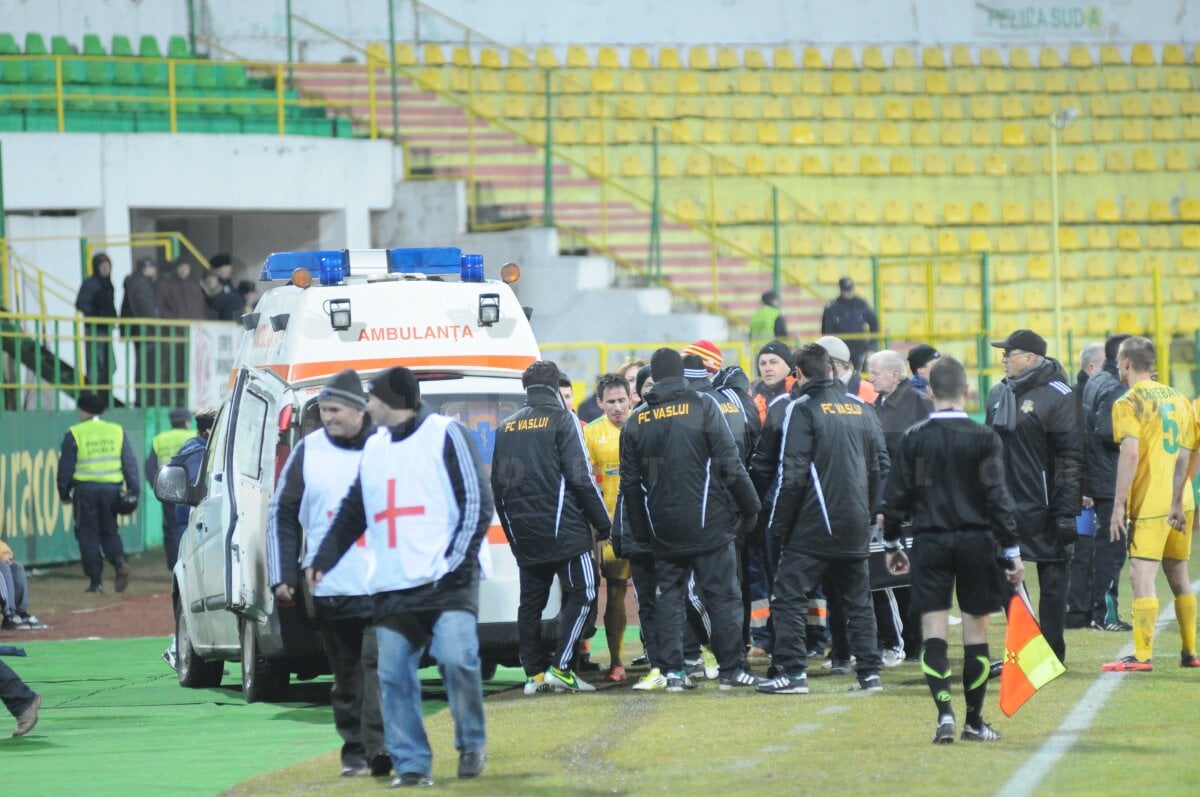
(604, 452)
(1162, 422)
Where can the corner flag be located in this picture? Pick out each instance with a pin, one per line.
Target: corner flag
(1029, 663)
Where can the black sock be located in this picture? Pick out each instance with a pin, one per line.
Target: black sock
(976, 664)
(935, 663)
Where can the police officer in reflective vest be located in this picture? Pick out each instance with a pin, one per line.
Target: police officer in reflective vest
(95, 459)
(165, 445)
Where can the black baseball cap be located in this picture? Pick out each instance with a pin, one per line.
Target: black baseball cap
(845, 283)
(921, 355)
(1025, 340)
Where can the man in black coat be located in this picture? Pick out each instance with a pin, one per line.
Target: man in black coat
(688, 495)
(899, 406)
(1038, 419)
(833, 467)
(139, 302)
(97, 300)
(848, 317)
(548, 505)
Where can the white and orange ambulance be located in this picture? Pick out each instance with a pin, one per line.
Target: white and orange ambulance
(431, 310)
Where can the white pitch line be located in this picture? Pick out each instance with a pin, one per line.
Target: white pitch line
(1026, 780)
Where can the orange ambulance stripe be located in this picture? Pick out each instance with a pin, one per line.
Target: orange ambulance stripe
(299, 371)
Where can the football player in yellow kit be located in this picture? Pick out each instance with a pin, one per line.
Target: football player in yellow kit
(603, 437)
(1155, 427)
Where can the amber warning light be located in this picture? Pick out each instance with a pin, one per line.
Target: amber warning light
(510, 273)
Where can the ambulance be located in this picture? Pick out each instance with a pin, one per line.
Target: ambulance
(467, 339)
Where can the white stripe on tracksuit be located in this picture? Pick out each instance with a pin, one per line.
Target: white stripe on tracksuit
(588, 572)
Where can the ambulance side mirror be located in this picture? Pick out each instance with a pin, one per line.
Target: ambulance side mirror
(171, 485)
(528, 312)
(250, 321)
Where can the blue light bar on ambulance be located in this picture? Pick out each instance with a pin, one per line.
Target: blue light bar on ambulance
(332, 267)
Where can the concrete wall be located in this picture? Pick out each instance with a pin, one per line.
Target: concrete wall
(258, 30)
(320, 192)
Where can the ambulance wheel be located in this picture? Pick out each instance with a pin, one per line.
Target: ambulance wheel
(487, 670)
(193, 671)
(262, 680)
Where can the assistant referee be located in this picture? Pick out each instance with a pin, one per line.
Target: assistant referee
(948, 475)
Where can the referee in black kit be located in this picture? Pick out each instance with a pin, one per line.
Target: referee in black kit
(948, 476)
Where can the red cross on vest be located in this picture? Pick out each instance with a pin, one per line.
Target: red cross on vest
(391, 512)
(361, 542)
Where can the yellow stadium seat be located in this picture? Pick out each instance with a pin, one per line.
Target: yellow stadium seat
(712, 132)
(918, 244)
(990, 57)
(960, 56)
(699, 58)
(904, 83)
(995, 82)
(870, 84)
(980, 135)
(922, 109)
(1128, 239)
(688, 83)
(1097, 294)
(679, 132)
(954, 213)
(772, 108)
(1107, 210)
(978, 241)
(668, 58)
(890, 135)
(801, 107)
(900, 165)
(1018, 58)
(1013, 213)
(1182, 291)
(632, 82)
(668, 166)
(872, 58)
(1189, 210)
(934, 164)
(948, 243)
(870, 165)
(812, 58)
(779, 83)
(749, 83)
(604, 81)
(1040, 268)
(1187, 265)
(802, 133)
(863, 109)
(1114, 161)
(782, 58)
(632, 166)
(661, 83)
(922, 134)
(965, 83)
(752, 59)
(890, 245)
(656, 108)
(1178, 80)
(842, 83)
(1191, 127)
(842, 164)
(1048, 58)
(1068, 239)
(1163, 130)
(1013, 135)
(577, 57)
(755, 163)
(1006, 300)
(933, 58)
(1006, 269)
(1040, 211)
(1144, 160)
(936, 83)
(984, 107)
(834, 244)
(766, 133)
(1085, 162)
(628, 133)
(812, 83)
(1099, 238)
(1189, 237)
(833, 134)
(1146, 80)
(832, 108)
(1128, 266)
(1038, 240)
(1142, 55)
(1073, 211)
(950, 135)
(766, 243)
(783, 163)
(862, 135)
(951, 109)
(1177, 161)
(717, 83)
(811, 164)
(1133, 130)
(865, 212)
(965, 164)
(800, 245)
(1172, 55)
(1103, 133)
(1111, 56)
(1079, 57)
(1102, 106)
(902, 58)
(697, 165)
(745, 212)
(545, 58)
(923, 213)
(895, 212)
(1096, 268)
(742, 108)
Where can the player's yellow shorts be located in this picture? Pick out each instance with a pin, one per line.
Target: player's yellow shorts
(1154, 538)
(612, 567)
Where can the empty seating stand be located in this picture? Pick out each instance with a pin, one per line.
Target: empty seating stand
(123, 90)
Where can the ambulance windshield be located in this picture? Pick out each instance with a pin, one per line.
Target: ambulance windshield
(481, 413)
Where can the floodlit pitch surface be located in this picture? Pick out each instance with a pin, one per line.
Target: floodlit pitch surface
(114, 722)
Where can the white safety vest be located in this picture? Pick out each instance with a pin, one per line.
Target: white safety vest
(410, 508)
(329, 470)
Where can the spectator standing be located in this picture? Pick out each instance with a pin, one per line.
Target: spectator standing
(687, 494)
(629, 369)
(768, 321)
(1100, 606)
(93, 462)
(833, 466)
(603, 438)
(920, 359)
(845, 371)
(548, 504)
(899, 406)
(21, 701)
(851, 316)
(14, 594)
(948, 477)
(422, 498)
(314, 479)
(1037, 418)
(138, 302)
(1079, 597)
(224, 301)
(249, 293)
(775, 367)
(96, 301)
(165, 445)
(1154, 504)
(179, 297)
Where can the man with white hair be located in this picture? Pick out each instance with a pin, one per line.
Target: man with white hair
(899, 406)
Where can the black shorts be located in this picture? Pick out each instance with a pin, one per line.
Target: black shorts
(961, 561)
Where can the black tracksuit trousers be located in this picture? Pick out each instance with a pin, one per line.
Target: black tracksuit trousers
(577, 576)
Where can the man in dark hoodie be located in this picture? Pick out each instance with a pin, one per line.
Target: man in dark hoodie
(1098, 601)
(97, 300)
(548, 505)
(833, 467)
(688, 494)
(310, 488)
(423, 500)
(1038, 420)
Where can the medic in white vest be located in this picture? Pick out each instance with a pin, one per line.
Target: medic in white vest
(425, 503)
(316, 477)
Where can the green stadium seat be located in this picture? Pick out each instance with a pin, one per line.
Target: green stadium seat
(12, 121)
(41, 70)
(152, 123)
(232, 76)
(148, 47)
(35, 44)
(41, 122)
(121, 46)
(177, 47)
(73, 70)
(92, 45)
(8, 45)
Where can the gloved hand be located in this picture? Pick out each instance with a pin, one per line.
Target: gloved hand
(603, 534)
(1065, 526)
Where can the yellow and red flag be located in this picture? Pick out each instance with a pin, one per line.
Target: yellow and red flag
(1029, 663)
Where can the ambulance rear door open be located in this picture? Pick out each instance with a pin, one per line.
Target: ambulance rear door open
(257, 397)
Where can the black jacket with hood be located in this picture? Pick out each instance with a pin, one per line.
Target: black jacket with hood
(685, 489)
(1043, 453)
(545, 495)
(1100, 451)
(733, 382)
(97, 297)
(834, 465)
